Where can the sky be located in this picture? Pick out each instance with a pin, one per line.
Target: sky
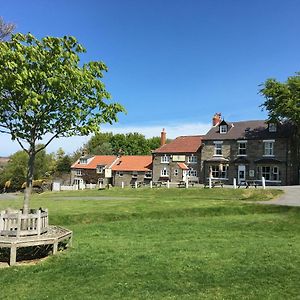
(172, 63)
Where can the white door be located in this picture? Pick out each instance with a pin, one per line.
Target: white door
(184, 175)
(241, 173)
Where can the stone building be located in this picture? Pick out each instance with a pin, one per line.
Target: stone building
(111, 169)
(132, 168)
(250, 150)
(93, 169)
(179, 160)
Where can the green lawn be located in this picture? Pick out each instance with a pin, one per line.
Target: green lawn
(165, 244)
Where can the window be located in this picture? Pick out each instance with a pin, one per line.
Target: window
(269, 172)
(83, 160)
(275, 172)
(192, 172)
(165, 159)
(176, 172)
(100, 169)
(242, 148)
(164, 172)
(219, 171)
(218, 148)
(134, 174)
(223, 129)
(272, 127)
(119, 173)
(78, 172)
(269, 148)
(223, 171)
(148, 174)
(192, 159)
(214, 171)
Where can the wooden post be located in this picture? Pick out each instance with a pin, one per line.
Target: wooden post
(122, 184)
(168, 184)
(209, 182)
(186, 184)
(100, 185)
(19, 223)
(13, 255)
(151, 184)
(55, 247)
(135, 184)
(38, 224)
(1, 221)
(234, 183)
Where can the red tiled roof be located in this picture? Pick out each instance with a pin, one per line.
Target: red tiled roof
(182, 166)
(96, 160)
(133, 163)
(182, 144)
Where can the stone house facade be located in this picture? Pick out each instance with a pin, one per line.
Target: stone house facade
(179, 160)
(249, 150)
(93, 169)
(129, 169)
(110, 169)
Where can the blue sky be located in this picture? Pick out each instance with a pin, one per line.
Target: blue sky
(173, 64)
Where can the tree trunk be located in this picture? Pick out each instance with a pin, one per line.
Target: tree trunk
(29, 179)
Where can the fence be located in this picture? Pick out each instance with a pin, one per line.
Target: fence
(18, 224)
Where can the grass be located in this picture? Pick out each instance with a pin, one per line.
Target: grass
(165, 244)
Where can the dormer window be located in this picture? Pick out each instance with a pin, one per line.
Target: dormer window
(223, 129)
(272, 127)
(83, 160)
(100, 169)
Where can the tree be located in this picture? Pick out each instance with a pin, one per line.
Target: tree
(283, 99)
(46, 93)
(16, 168)
(6, 29)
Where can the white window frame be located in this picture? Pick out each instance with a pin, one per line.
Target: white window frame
(239, 148)
(218, 151)
(176, 172)
(223, 129)
(83, 161)
(100, 169)
(164, 172)
(269, 147)
(119, 173)
(134, 174)
(78, 172)
(165, 159)
(192, 173)
(193, 159)
(148, 174)
(214, 171)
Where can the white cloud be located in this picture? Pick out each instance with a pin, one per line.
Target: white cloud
(8, 147)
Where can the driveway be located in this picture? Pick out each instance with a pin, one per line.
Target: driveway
(291, 196)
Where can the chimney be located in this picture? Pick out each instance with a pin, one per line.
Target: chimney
(163, 137)
(216, 119)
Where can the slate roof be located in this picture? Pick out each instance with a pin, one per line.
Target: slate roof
(105, 160)
(133, 163)
(254, 129)
(182, 144)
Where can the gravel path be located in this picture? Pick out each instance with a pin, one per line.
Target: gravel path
(291, 196)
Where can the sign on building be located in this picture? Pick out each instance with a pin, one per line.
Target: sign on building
(108, 173)
(179, 158)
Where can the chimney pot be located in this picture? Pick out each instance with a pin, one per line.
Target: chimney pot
(163, 137)
(216, 119)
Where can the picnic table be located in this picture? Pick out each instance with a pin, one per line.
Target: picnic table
(214, 182)
(248, 183)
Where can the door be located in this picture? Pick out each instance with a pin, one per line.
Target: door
(241, 173)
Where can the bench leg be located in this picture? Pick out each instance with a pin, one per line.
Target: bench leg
(13, 255)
